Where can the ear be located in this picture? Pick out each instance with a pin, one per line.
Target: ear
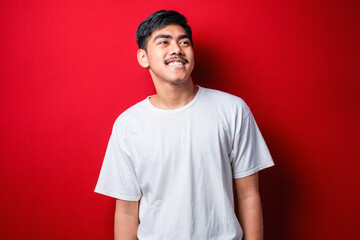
(142, 58)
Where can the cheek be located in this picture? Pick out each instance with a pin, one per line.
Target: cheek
(190, 56)
(159, 57)
(191, 59)
(155, 61)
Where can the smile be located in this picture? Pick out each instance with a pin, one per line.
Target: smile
(176, 63)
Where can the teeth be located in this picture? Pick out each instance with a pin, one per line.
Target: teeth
(175, 64)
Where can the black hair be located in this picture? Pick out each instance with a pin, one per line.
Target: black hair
(159, 20)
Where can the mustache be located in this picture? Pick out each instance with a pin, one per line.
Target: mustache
(176, 58)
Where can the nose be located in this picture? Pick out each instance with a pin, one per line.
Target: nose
(176, 49)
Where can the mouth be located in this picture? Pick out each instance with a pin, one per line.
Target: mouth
(176, 61)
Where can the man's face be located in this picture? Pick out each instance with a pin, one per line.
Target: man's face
(169, 56)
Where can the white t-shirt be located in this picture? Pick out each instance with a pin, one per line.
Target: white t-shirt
(181, 164)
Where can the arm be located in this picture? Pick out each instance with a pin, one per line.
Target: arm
(249, 207)
(126, 220)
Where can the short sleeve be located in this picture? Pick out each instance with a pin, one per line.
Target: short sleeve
(117, 176)
(250, 153)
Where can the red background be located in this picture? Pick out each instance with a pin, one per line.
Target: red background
(69, 68)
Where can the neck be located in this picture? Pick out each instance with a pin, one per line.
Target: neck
(173, 96)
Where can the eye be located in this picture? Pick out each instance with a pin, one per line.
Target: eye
(187, 43)
(163, 42)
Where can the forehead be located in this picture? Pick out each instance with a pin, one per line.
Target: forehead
(173, 30)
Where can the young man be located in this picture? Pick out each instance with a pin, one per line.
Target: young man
(173, 158)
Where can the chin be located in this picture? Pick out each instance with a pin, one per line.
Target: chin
(178, 81)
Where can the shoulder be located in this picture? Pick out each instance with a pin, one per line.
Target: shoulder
(127, 118)
(225, 101)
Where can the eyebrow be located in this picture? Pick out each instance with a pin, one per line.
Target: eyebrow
(170, 37)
